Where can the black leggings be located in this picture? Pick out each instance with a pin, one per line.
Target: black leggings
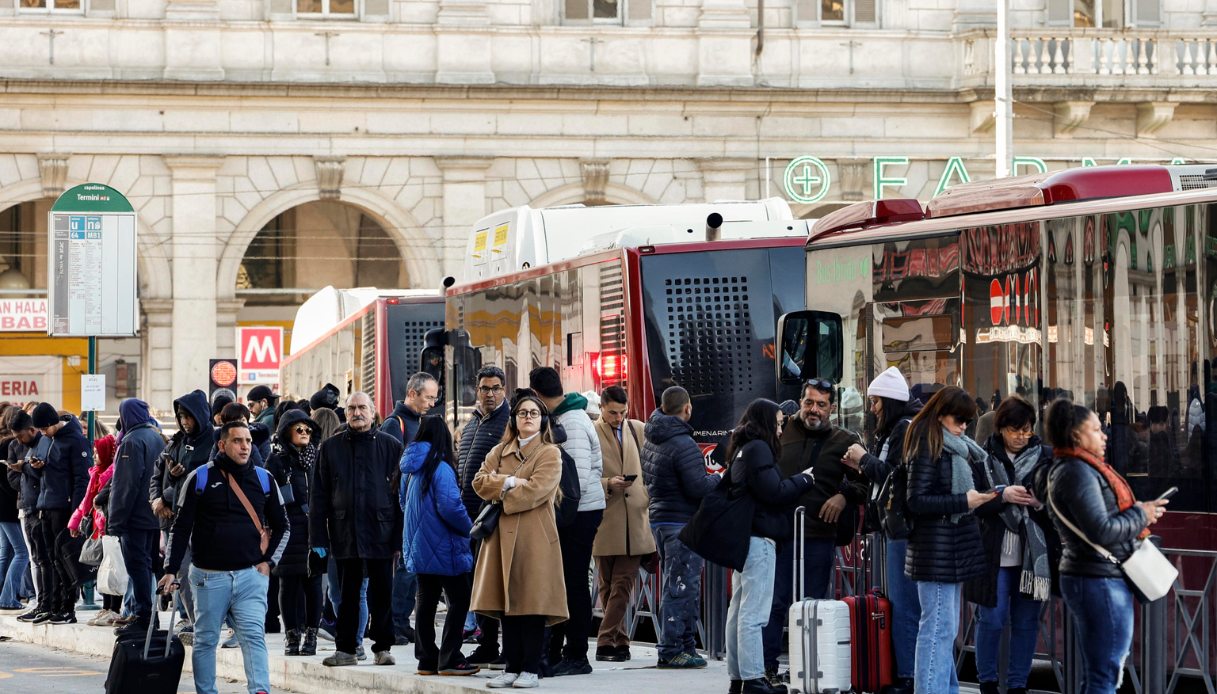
(300, 601)
(523, 639)
(113, 603)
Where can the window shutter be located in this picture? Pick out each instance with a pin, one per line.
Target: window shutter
(1148, 13)
(1060, 12)
(865, 12)
(639, 10)
(577, 9)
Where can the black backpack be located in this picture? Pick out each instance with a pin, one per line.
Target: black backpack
(567, 507)
(897, 519)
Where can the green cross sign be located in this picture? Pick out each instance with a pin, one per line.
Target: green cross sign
(807, 180)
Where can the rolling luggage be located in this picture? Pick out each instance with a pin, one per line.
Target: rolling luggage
(871, 640)
(819, 634)
(151, 665)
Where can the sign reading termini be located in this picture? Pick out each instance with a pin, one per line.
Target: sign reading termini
(92, 264)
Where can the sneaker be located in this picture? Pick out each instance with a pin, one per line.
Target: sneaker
(182, 625)
(503, 681)
(231, 642)
(526, 680)
(473, 635)
(30, 616)
(460, 670)
(383, 658)
(483, 657)
(360, 654)
(187, 638)
(43, 618)
(18, 607)
(96, 621)
(696, 660)
(326, 630)
(572, 667)
(340, 659)
(64, 618)
(134, 628)
(425, 670)
(682, 661)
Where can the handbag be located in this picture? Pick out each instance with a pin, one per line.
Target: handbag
(721, 530)
(1148, 571)
(286, 494)
(91, 550)
(112, 574)
(487, 520)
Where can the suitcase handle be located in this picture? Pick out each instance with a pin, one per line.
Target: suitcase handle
(153, 623)
(799, 540)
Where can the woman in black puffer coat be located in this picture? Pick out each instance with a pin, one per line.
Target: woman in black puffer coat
(945, 548)
(294, 452)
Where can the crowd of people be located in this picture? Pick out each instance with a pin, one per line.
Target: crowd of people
(320, 519)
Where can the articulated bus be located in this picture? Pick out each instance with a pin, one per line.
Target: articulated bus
(361, 340)
(701, 315)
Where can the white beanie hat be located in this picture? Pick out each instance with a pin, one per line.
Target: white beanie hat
(889, 384)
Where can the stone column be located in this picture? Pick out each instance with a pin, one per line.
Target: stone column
(156, 371)
(726, 179)
(195, 261)
(464, 203)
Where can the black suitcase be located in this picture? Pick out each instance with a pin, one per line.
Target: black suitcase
(151, 665)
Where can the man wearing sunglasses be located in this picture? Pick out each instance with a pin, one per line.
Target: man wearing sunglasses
(809, 440)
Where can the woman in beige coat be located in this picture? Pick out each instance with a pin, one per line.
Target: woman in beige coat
(518, 576)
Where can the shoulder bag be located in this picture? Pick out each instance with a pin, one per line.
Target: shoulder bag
(721, 529)
(1149, 573)
(263, 531)
(488, 517)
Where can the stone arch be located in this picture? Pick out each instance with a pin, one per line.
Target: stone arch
(422, 262)
(575, 193)
(151, 264)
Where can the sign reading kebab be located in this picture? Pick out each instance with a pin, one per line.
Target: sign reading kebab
(260, 352)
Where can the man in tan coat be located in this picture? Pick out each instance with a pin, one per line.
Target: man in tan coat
(624, 537)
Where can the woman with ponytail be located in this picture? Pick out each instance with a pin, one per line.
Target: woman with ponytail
(1088, 494)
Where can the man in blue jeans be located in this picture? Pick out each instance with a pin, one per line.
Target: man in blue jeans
(676, 479)
(228, 510)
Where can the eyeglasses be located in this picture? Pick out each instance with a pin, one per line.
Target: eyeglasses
(303, 430)
(1018, 433)
(528, 414)
(487, 390)
(819, 384)
(963, 421)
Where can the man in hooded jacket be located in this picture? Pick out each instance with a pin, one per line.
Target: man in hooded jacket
(189, 448)
(130, 516)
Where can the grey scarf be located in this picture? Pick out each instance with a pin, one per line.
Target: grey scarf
(963, 450)
(1036, 578)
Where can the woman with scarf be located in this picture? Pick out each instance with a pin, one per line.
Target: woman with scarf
(291, 463)
(1018, 576)
(1088, 494)
(945, 549)
(99, 476)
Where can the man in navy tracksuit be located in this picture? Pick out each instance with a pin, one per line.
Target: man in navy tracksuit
(64, 474)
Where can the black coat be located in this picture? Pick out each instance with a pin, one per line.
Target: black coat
(353, 506)
(673, 469)
(831, 476)
(478, 436)
(65, 477)
(287, 466)
(190, 451)
(26, 481)
(940, 550)
(982, 590)
(402, 424)
(758, 469)
(1081, 493)
(134, 463)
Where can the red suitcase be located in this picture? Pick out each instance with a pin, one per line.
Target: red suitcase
(870, 617)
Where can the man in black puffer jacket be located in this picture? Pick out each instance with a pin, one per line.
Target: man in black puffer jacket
(675, 474)
(482, 432)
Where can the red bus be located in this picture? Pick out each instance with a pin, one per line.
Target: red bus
(371, 345)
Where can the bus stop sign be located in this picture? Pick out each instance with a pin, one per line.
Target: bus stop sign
(91, 252)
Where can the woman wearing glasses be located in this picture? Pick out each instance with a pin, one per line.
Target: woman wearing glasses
(944, 548)
(293, 453)
(518, 576)
(1019, 566)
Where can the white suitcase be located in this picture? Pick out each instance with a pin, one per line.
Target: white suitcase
(819, 635)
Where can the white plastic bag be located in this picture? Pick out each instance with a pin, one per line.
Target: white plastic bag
(112, 574)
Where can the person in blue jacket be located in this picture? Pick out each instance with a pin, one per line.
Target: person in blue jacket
(435, 545)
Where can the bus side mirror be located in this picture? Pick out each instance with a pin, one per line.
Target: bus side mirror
(810, 345)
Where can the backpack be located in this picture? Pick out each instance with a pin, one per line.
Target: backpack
(572, 489)
(200, 479)
(897, 519)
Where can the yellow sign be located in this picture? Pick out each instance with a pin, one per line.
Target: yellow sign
(500, 236)
(479, 240)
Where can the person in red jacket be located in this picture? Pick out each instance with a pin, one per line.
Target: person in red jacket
(99, 476)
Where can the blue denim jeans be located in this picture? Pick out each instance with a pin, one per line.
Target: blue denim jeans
(680, 605)
(819, 560)
(241, 595)
(1023, 615)
(934, 672)
(1102, 610)
(14, 559)
(751, 599)
(140, 549)
(405, 593)
(331, 576)
(906, 609)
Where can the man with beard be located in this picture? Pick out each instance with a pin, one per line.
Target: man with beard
(354, 514)
(810, 440)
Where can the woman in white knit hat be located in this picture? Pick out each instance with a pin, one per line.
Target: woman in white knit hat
(888, 397)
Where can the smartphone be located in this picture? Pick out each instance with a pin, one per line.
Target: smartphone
(999, 489)
(630, 478)
(1168, 493)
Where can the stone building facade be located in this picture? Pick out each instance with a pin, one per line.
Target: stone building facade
(272, 147)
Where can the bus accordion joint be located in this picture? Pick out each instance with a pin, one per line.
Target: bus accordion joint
(862, 215)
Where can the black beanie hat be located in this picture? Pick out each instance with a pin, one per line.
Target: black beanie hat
(45, 415)
(545, 381)
(218, 404)
(326, 397)
(21, 421)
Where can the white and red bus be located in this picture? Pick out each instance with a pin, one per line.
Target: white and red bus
(1096, 283)
(360, 340)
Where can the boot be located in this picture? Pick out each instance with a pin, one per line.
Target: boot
(309, 647)
(736, 687)
(291, 644)
(761, 685)
(989, 688)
